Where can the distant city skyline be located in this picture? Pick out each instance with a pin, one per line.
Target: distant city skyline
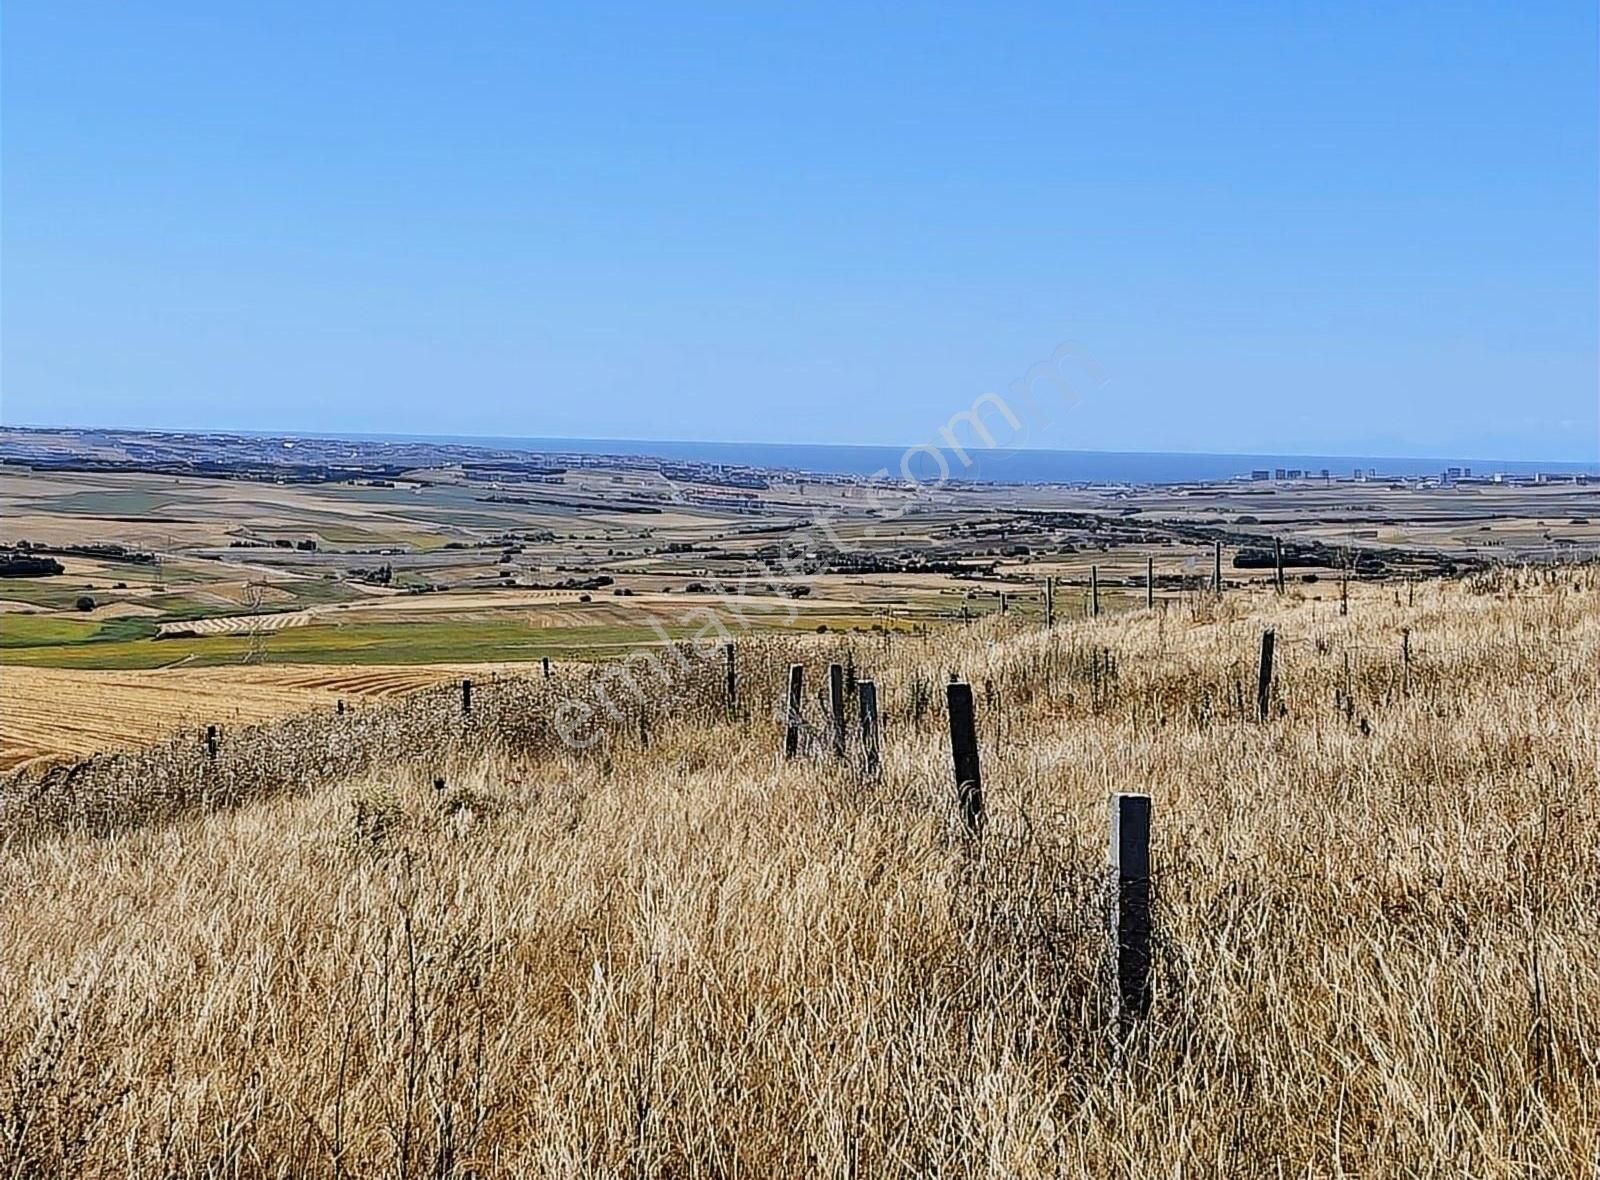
(1269, 231)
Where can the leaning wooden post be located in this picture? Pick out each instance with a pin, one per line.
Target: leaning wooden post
(1049, 602)
(1094, 591)
(1149, 583)
(836, 707)
(732, 682)
(791, 732)
(1130, 909)
(867, 696)
(1216, 567)
(1264, 678)
(466, 696)
(964, 756)
(1277, 559)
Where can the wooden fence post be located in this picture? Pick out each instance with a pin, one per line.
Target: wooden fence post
(1149, 583)
(964, 756)
(1130, 910)
(1264, 678)
(1002, 602)
(733, 684)
(211, 742)
(466, 696)
(1277, 559)
(1344, 595)
(340, 707)
(867, 697)
(1050, 602)
(547, 667)
(1094, 591)
(1216, 567)
(1405, 657)
(836, 707)
(644, 729)
(791, 732)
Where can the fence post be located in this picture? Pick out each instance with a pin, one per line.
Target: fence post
(733, 684)
(1050, 602)
(964, 756)
(1216, 567)
(1344, 595)
(1130, 911)
(1094, 591)
(1264, 679)
(791, 733)
(1002, 602)
(836, 707)
(211, 742)
(867, 697)
(466, 696)
(644, 729)
(547, 667)
(1277, 559)
(1405, 657)
(1149, 583)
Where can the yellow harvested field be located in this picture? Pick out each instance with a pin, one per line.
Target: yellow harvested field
(238, 624)
(52, 713)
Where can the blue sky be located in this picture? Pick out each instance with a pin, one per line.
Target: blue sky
(1332, 228)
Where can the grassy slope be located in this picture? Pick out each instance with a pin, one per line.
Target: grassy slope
(1380, 952)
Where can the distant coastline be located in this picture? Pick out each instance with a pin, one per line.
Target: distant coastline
(998, 465)
(988, 465)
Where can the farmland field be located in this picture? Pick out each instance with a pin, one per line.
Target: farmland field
(409, 939)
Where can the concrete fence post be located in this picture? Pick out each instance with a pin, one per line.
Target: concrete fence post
(867, 697)
(1264, 676)
(964, 756)
(1130, 908)
(791, 731)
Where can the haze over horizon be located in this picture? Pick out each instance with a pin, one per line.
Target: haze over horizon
(1276, 232)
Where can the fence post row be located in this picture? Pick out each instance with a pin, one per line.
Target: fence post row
(964, 755)
(1130, 909)
(867, 698)
(791, 732)
(1264, 676)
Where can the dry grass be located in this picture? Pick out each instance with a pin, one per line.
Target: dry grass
(1380, 926)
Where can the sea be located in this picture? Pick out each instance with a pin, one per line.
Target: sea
(1014, 466)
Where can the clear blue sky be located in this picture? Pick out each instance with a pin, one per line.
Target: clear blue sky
(1283, 227)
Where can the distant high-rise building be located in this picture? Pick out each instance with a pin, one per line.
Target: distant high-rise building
(1466, 473)
(1259, 474)
(1327, 476)
(1295, 473)
(1279, 473)
(1356, 475)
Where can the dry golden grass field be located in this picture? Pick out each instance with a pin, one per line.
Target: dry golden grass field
(672, 953)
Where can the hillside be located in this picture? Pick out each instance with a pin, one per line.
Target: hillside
(672, 953)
